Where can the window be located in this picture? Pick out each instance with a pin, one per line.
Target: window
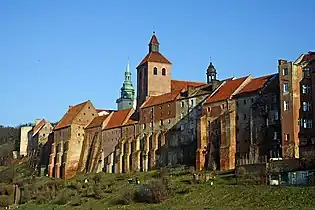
(163, 71)
(169, 112)
(169, 121)
(191, 102)
(93, 114)
(151, 124)
(182, 104)
(285, 87)
(222, 106)
(286, 105)
(161, 122)
(306, 72)
(209, 109)
(244, 116)
(155, 71)
(306, 89)
(285, 71)
(78, 134)
(143, 126)
(89, 107)
(44, 135)
(275, 135)
(307, 123)
(306, 106)
(160, 107)
(244, 102)
(276, 116)
(287, 137)
(252, 100)
(84, 113)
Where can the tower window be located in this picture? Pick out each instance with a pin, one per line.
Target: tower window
(286, 105)
(285, 71)
(306, 72)
(163, 71)
(285, 87)
(155, 71)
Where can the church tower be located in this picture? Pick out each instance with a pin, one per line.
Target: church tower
(127, 92)
(211, 73)
(153, 73)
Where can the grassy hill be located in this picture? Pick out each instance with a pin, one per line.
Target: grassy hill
(172, 190)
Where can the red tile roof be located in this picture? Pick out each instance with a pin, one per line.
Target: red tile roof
(105, 110)
(154, 57)
(97, 121)
(226, 90)
(154, 40)
(155, 100)
(180, 84)
(255, 84)
(117, 119)
(39, 126)
(70, 115)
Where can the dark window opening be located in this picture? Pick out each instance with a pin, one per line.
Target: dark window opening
(163, 71)
(155, 71)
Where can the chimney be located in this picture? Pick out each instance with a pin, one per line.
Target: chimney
(37, 121)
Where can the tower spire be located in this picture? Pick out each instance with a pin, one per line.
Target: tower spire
(127, 91)
(154, 44)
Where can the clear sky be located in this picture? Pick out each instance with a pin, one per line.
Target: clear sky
(59, 53)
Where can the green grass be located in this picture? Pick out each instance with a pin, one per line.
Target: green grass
(224, 194)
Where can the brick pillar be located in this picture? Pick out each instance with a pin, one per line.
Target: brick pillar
(146, 153)
(201, 142)
(119, 160)
(110, 163)
(136, 155)
(153, 149)
(127, 153)
(57, 170)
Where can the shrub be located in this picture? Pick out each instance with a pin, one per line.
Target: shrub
(98, 193)
(127, 198)
(62, 198)
(76, 201)
(184, 190)
(5, 201)
(153, 192)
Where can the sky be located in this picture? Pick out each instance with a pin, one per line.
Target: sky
(59, 53)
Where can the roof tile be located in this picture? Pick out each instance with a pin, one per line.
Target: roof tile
(154, 57)
(117, 119)
(155, 100)
(97, 121)
(70, 115)
(255, 84)
(180, 84)
(226, 90)
(39, 126)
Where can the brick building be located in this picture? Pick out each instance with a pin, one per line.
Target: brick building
(68, 139)
(297, 112)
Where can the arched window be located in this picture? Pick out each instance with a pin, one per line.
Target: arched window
(155, 71)
(163, 71)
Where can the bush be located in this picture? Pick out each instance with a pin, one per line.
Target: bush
(127, 198)
(76, 201)
(98, 193)
(63, 198)
(5, 201)
(153, 192)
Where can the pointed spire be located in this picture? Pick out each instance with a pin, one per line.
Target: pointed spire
(128, 66)
(154, 44)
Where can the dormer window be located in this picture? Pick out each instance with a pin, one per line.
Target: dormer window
(155, 71)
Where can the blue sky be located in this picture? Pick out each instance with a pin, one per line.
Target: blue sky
(59, 53)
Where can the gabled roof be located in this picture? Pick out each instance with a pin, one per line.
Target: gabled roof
(180, 84)
(70, 115)
(255, 84)
(97, 121)
(155, 100)
(154, 57)
(118, 118)
(226, 90)
(39, 126)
